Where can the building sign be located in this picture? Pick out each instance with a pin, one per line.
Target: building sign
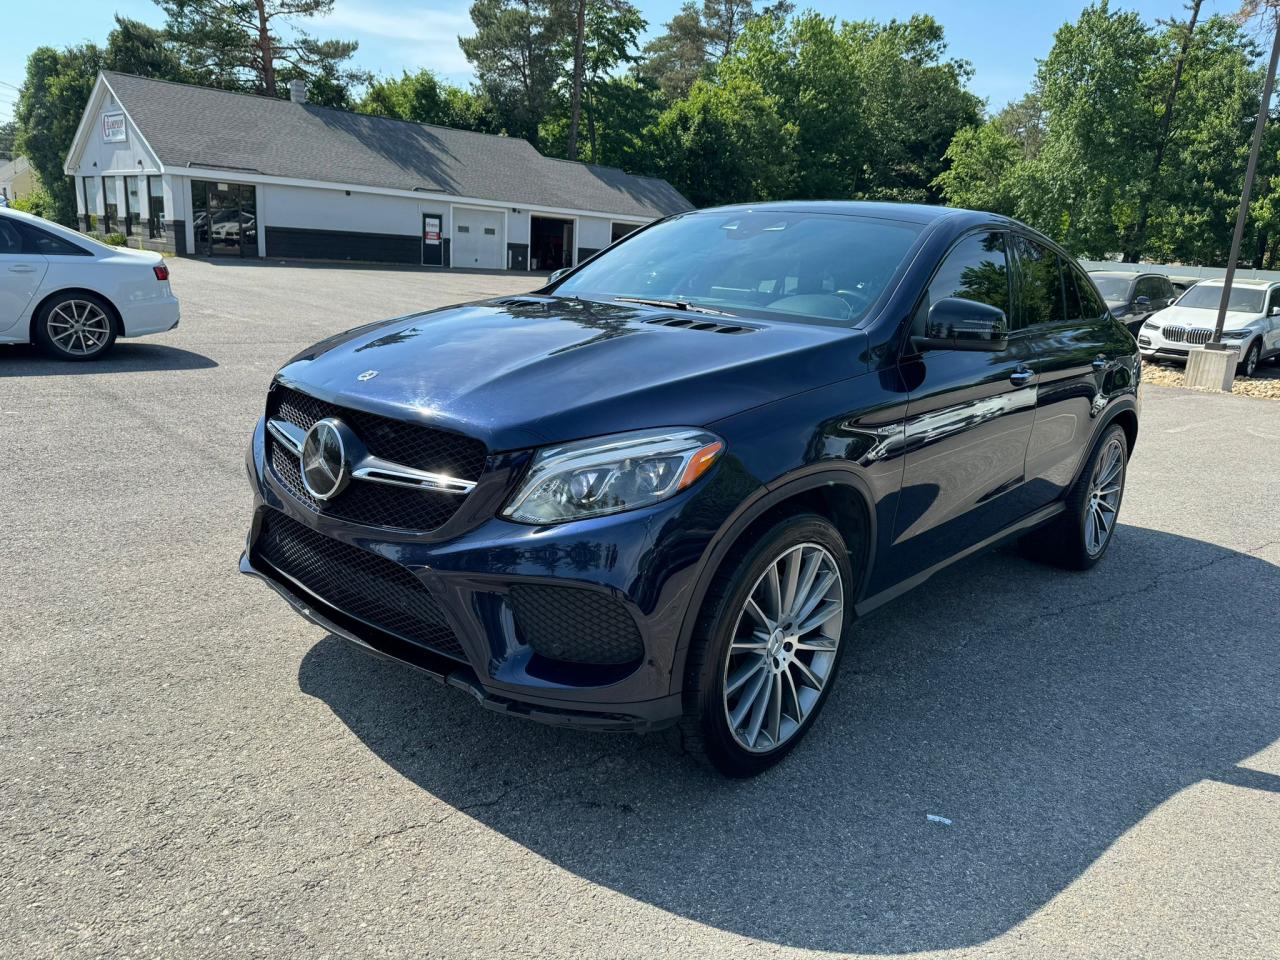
(430, 229)
(113, 128)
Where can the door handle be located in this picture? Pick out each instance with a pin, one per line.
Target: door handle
(22, 268)
(1021, 376)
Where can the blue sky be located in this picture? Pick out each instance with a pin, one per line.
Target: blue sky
(1001, 39)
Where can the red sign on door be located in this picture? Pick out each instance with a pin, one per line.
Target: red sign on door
(430, 229)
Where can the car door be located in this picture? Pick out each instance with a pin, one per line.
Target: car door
(1081, 354)
(21, 273)
(969, 417)
(1271, 323)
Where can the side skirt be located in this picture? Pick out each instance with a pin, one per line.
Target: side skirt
(1025, 525)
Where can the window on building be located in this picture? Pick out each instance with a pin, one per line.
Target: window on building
(132, 203)
(92, 193)
(155, 207)
(110, 204)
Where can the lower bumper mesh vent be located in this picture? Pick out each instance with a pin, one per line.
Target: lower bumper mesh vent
(357, 582)
(578, 626)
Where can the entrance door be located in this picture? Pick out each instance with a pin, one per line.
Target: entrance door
(432, 240)
(477, 239)
(225, 219)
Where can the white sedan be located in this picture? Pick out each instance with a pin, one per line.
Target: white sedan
(72, 295)
(1251, 327)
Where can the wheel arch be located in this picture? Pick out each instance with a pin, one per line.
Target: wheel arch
(116, 316)
(841, 495)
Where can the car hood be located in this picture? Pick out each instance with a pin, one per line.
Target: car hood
(525, 371)
(1197, 317)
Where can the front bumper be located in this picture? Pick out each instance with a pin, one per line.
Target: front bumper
(643, 562)
(1153, 346)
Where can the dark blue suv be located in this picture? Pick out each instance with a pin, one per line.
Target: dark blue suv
(661, 489)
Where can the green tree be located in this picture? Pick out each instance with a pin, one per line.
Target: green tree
(915, 100)
(424, 98)
(52, 99)
(249, 44)
(725, 142)
(982, 166)
(677, 57)
(516, 52)
(1096, 90)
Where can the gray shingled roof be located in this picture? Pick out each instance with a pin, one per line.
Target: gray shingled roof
(200, 127)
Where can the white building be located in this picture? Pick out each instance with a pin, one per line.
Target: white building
(208, 172)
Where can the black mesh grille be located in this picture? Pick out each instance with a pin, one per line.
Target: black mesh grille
(376, 504)
(357, 582)
(580, 626)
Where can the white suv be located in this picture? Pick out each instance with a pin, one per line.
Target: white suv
(1252, 324)
(72, 295)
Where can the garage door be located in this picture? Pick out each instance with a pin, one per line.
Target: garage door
(477, 239)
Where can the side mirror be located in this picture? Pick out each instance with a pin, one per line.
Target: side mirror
(1142, 301)
(1273, 310)
(558, 274)
(958, 324)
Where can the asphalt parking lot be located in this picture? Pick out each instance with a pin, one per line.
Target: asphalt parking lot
(190, 769)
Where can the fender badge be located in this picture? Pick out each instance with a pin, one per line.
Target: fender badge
(367, 375)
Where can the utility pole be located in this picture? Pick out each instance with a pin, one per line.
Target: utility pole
(1264, 107)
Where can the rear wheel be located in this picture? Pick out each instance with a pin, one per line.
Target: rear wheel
(1080, 536)
(768, 645)
(77, 326)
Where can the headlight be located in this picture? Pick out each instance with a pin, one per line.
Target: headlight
(1148, 325)
(1234, 334)
(591, 478)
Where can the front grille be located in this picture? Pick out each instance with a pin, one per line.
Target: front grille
(1194, 335)
(578, 626)
(411, 444)
(361, 584)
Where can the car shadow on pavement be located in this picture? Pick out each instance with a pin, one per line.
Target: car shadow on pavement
(1041, 714)
(25, 360)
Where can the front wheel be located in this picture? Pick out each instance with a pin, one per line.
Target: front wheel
(1249, 365)
(77, 326)
(768, 645)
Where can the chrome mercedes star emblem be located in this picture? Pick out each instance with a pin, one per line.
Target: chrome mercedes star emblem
(325, 471)
(367, 375)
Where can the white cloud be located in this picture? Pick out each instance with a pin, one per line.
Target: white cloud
(395, 37)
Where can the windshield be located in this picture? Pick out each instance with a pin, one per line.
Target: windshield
(1206, 297)
(1113, 288)
(788, 264)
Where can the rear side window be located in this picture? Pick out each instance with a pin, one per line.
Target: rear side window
(1151, 288)
(1040, 284)
(45, 243)
(1090, 303)
(975, 269)
(10, 239)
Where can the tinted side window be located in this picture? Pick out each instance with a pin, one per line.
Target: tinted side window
(1090, 302)
(1274, 300)
(1071, 288)
(1166, 289)
(45, 243)
(1151, 288)
(975, 269)
(10, 240)
(1040, 284)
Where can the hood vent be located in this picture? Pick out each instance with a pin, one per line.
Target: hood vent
(706, 326)
(520, 302)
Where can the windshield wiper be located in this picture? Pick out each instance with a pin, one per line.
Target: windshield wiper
(673, 305)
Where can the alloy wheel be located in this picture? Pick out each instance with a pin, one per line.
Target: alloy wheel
(1103, 505)
(1251, 361)
(783, 648)
(78, 327)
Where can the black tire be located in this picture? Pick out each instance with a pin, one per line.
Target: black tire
(1249, 364)
(1065, 542)
(705, 727)
(99, 333)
